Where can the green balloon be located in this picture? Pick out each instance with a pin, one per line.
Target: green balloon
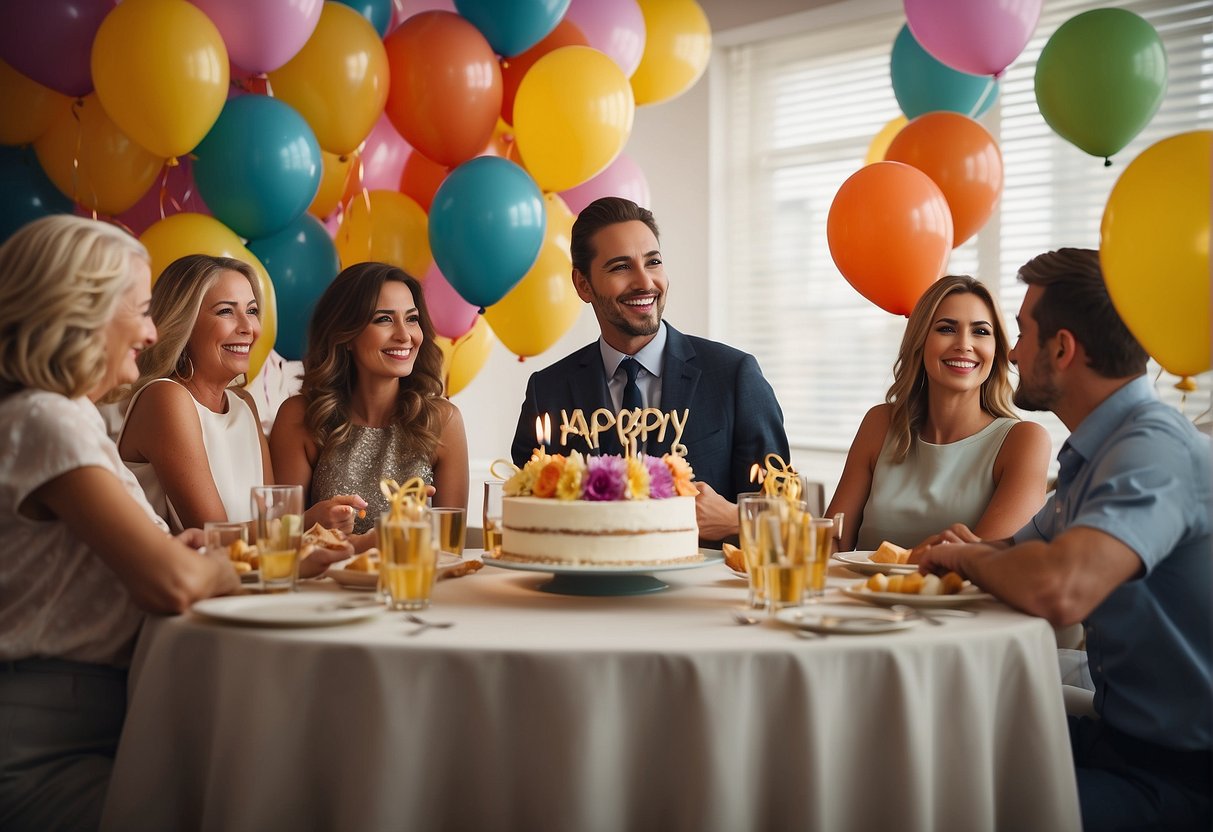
(1100, 79)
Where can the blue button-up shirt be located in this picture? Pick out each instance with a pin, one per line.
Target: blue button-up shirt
(1137, 470)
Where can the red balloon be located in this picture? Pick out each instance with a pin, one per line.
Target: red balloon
(445, 91)
(890, 233)
(962, 158)
(421, 178)
(566, 33)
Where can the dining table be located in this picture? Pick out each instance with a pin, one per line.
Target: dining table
(513, 708)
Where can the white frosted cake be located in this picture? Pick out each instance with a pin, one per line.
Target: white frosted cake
(600, 511)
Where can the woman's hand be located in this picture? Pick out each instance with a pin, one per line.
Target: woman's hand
(316, 562)
(194, 538)
(338, 512)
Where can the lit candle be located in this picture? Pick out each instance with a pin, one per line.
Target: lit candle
(543, 433)
(757, 474)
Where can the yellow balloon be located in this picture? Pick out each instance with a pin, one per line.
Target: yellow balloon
(161, 70)
(882, 140)
(338, 81)
(186, 233)
(93, 162)
(393, 230)
(334, 173)
(463, 358)
(677, 45)
(27, 109)
(1154, 250)
(572, 116)
(544, 305)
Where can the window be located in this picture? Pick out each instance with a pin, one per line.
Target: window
(799, 113)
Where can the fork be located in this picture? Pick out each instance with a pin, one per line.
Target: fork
(423, 625)
(745, 620)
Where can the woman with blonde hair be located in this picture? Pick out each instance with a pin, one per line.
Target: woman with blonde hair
(85, 557)
(191, 433)
(946, 446)
(371, 405)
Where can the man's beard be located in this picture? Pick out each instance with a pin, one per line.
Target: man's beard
(629, 326)
(1042, 393)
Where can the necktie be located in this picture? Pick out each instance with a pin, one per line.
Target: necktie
(631, 390)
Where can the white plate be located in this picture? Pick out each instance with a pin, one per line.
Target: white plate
(350, 579)
(859, 562)
(740, 573)
(710, 556)
(309, 609)
(846, 619)
(969, 595)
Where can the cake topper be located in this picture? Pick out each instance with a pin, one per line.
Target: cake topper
(631, 426)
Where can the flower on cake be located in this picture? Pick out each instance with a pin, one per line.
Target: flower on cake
(637, 485)
(661, 481)
(549, 476)
(602, 478)
(572, 478)
(605, 478)
(681, 471)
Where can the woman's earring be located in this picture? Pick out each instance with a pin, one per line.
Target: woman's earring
(184, 361)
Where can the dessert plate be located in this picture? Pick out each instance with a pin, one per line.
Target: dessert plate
(969, 595)
(352, 579)
(310, 609)
(846, 619)
(858, 561)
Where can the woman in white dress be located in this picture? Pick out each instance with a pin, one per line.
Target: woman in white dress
(946, 446)
(83, 556)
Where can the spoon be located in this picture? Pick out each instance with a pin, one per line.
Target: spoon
(423, 625)
(744, 620)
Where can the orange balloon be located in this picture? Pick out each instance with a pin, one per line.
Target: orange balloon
(334, 176)
(393, 230)
(566, 33)
(962, 158)
(420, 179)
(445, 91)
(890, 233)
(27, 109)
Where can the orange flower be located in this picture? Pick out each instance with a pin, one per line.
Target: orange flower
(680, 469)
(549, 476)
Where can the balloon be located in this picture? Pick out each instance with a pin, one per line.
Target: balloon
(262, 35)
(420, 179)
(383, 157)
(334, 177)
(339, 79)
(678, 43)
(464, 358)
(623, 177)
(890, 232)
(28, 194)
(92, 161)
(486, 227)
(981, 37)
(49, 41)
(174, 193)
(616, 28)
(27, 108)
(302, 262)
(377, 12)
(922, 84)
(161, 72)
(392, 230)
(402, 10)
(183, 234)
(962, 158)
(572, 116)
(259, 167)
(453, 317)
(544, 305)
(880, 142)
(1100, 79)
(514, 69)
(513, 26)
(445, 92)
(1154, 250)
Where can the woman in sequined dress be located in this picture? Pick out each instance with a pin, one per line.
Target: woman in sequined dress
(371, 406)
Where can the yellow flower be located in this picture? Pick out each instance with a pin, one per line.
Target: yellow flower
(569, 486)
(638, 480)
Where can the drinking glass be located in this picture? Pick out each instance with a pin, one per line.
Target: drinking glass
(278, 519)
(452, 527)
(225, 537)
(408, 558)
(762, 521)
(822, 543)
(492, 517)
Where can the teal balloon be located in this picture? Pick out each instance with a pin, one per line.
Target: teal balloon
(923, 84)
(513, 26)
(377, 12)
(28, 193)
(302, 261)
(1100, 79)
(486, 228)
(259, 166)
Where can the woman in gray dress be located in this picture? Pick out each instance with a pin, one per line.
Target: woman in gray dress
(371, 406)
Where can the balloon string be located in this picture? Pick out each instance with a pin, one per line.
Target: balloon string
(269, 90)
(76, 106)
(163, 190)
(991, 85)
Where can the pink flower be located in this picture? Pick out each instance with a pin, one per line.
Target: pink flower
(661, 481)
(605, 478)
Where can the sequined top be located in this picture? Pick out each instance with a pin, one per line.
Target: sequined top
(357, 466)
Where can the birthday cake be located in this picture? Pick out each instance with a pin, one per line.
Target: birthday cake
(633, 510)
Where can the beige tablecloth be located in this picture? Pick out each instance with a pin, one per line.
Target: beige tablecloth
(538, 712)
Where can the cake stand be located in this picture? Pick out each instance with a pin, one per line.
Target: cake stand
(605, 580)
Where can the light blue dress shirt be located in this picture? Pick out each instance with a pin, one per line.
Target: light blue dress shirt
(651, 358)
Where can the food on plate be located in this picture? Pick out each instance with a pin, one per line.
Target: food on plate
(733, 557)
(600, 511)
(890, 553)
(324, 538)
(914, 584)
(368, 561)
(465, 567)
(952, 584)
(243, 556)
(242, 567)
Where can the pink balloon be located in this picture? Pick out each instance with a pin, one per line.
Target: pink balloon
(615, 27)
(262, 35)
(981, 37)
(453, 316)
(384, 156)
(164, 199)
(402, 10)
(622, 177)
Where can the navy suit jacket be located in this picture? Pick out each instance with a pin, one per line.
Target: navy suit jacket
(734, 419)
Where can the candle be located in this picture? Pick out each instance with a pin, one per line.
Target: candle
(543, 433)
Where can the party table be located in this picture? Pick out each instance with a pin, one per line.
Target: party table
(537, 711)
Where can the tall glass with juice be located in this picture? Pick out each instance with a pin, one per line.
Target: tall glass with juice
(408, 559)
(278, 522)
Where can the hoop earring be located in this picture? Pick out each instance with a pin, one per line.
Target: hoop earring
(177, 370)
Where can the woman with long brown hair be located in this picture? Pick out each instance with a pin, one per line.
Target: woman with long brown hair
(371, 405)
(946, 446)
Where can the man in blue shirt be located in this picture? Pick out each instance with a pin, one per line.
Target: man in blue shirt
(1123, 545)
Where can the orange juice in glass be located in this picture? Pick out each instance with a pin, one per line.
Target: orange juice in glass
(408, 559)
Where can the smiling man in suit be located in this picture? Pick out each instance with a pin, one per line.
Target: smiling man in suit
(642, 361)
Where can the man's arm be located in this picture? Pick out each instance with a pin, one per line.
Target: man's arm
(524, 435)
(757, 425)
